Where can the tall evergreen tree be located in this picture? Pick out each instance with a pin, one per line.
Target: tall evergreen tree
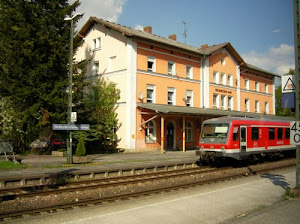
(34, 50)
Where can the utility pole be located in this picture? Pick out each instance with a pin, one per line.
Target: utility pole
(297, 73)
(69, 143)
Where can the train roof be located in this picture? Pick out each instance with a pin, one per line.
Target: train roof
(229, 119)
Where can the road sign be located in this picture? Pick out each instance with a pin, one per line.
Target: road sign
(288, 83)
(70, 127)
(73, 117)
(295, 132)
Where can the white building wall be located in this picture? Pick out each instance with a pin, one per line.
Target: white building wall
(205, 83)
(113, 64)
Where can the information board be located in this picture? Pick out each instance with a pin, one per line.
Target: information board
(295, 132)
(70, 127)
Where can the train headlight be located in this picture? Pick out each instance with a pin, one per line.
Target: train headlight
(202, 147)
(223, 148)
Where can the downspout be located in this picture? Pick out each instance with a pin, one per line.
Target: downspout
(202, 81)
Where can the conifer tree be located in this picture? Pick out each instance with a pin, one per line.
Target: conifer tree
(34, 51)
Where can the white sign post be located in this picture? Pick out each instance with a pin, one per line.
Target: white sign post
(295, 133)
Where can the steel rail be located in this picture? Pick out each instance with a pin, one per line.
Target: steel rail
(137, 194)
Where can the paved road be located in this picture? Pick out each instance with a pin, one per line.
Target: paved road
(213, 203)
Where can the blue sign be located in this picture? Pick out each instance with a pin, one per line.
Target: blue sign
(70, 127)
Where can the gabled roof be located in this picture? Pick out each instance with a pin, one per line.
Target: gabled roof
(213, 49)
(256, 69)
(202, 52)
(130, 32)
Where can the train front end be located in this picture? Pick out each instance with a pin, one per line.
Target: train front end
(214, 140)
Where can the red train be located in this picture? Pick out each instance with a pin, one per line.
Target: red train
(241, 138)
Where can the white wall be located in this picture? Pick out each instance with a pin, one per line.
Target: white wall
(114, 65)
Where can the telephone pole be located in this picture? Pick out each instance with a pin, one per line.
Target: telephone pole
(297, 73)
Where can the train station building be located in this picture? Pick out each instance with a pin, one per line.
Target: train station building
(169, 88)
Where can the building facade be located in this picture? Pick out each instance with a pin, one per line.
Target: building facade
(169, 88)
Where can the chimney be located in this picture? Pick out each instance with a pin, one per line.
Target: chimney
(204, 46)
(172, 37)
(148, 29)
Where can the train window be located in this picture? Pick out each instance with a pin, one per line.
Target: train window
(215, 130)
(287, 133)
(235, 136)
(271, 133)
(279, 133)
(255, 135)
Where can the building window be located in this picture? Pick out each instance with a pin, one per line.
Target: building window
(216, 101)
(189, 72)
(150, 94)
(171, 68)
(95, 68)
(96, 44)
(230, 80)
(266, 88)
(150, 132)
(216, 77)
(188, 132)
(151, 64)
(171, 96)
(223, 102)
(247, 109)
(110, 63)
(247, 84)
(256, 106)
(223, 79)
(223, 62)
(230, 103)
(257, 86)
(266, 107)
(255, 135)
(189, 98)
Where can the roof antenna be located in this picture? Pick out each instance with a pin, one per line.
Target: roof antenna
(184, 31)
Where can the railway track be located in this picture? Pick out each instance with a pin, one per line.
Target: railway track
(147, 184)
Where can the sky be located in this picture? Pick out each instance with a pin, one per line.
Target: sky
(261, 31)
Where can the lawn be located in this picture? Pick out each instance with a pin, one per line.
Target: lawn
(10, 165)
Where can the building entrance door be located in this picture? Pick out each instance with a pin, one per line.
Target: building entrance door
(170, 135)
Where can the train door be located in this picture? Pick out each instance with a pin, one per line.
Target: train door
(243, 139)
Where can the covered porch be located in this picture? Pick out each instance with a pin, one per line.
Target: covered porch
(175, 128)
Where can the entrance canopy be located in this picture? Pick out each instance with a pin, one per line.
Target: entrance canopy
(192, 111)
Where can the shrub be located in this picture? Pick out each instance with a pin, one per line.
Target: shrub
(80, 150)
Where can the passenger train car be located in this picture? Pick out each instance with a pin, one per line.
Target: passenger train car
(241, 138)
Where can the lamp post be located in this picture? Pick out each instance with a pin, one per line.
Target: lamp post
(69, 143)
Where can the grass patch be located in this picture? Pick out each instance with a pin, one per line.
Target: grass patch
(10, 165)
(289, 194)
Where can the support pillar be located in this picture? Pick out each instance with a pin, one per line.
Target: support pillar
(183, 134)
(162, 140)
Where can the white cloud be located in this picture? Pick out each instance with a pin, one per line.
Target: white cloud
(278, 60)
(139, 27)
(275, 31)
(105, 9)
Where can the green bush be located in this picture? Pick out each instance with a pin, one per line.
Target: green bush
(80, 150)
(62, 150)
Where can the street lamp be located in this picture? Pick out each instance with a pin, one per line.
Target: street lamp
(69, 143)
